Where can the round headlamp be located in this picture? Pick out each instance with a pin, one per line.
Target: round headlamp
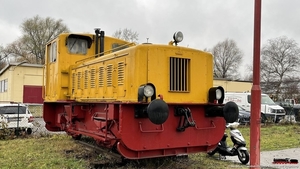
(178, 36)
(218, 94)
(148, 91)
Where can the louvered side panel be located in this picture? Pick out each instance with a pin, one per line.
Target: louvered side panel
(109, 77)
(121, 73)
(179, 74)
(93, 78)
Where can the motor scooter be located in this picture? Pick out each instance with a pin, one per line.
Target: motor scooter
(239, 145)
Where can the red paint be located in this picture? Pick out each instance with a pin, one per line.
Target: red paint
(285, 161)
(256, 92)
(112, 124)
(32, 94)
(161, 96)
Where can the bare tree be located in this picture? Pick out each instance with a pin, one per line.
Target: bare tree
(227, 59)
(19, 52)
(280, 59)
(290, 87)
(249, 73)
(37, 32)
(3, 57)
(126, 34)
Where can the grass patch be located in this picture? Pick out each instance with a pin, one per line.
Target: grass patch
(43, 152)
(275, 136)
(60, 151)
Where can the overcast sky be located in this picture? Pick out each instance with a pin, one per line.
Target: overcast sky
(204, 23)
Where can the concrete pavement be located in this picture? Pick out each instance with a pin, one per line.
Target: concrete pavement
(267, 157)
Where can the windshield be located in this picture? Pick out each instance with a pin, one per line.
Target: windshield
(12, 110)
(265, 99)
(241, 109)
(77, 45)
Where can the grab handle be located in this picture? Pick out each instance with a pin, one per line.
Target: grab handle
(205, 128)
(151, 131)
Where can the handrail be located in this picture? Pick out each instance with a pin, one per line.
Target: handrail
(151, 131)
(43, 85)
(93, 56)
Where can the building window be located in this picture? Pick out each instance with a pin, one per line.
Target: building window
(3, 85)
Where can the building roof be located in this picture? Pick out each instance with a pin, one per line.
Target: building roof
(235, 80)
(20, 64)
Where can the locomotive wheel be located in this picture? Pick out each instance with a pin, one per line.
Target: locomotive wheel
(76, 137)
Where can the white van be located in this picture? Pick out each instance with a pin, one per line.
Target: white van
(14, 115)
(268, 107)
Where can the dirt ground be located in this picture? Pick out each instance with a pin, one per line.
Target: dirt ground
(98, 160)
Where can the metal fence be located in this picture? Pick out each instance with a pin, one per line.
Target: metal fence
(292, 112)
(36, 109)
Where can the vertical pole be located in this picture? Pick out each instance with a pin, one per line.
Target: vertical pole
(256, 92)
(18, 130)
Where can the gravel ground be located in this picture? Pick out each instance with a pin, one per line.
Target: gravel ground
(39, 127)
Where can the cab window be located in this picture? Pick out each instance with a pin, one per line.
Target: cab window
(53, 52)
(77, 45)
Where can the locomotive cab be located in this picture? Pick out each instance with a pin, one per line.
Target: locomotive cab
(68, 50)
(75, 47)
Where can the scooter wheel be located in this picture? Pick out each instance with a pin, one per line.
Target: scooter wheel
(244, 156)
(211, 153)
(29, 131)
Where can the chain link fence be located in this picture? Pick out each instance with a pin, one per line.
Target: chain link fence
(36, 110)
(292, 112)
(16, 121)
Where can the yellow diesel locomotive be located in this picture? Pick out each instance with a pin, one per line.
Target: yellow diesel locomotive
(145, 101)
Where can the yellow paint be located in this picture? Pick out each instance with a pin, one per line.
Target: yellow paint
(17, 77)
(116, 76)
(234, 86)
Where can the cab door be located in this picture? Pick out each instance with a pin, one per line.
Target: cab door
(50, 73)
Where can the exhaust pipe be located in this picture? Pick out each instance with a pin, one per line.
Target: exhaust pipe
(99, 35)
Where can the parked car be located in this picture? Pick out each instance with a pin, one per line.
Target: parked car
(16, 116)
(244, 116)
(269, 110)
